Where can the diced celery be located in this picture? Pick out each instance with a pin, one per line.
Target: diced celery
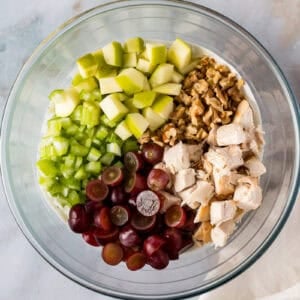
(80, 173)
(47, 182)
(90, 132)
(77, 149)
(93, 155)
(74, 197)
(90, 113)
(47, 167)
(71, 130)
(70, 160)
(66, 122)
(66, 171)
(114, 138)
(76, 79)
(114, 148)
(84, 183)
(93, 167)
(54, 127)
(56, 189)
(107, 159)
(77, 113)
(105, 121)
(71, 183)
(96, 142)
(87, 142)
(48, 152)
(65, 191)
(130, 145)
(102, 132)
(78, 162)
(94, 95)
(61, 145)
(119, 164)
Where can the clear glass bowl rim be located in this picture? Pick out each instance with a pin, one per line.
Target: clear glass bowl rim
(294, 105)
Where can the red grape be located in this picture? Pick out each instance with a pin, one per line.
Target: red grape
(90, 238)
(175, 216)
(133, 161)
(112, 176)
(78, 218)
(119, 215)
(158, 260)
(104, 237)
(173, 238)
(135, 183)
(158, 179)
(152, 153)
(136, 261)
(189, 225)
(128, 237)
(102, 219)
(118, 195)
(148, 203)
(112, 253)
(142, 223)
(187, 242)
(152, 244)
(96, 190)
(92, 206)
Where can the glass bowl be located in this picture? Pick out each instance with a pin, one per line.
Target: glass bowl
(52, 65)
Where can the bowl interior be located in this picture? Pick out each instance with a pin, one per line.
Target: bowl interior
(52, 67)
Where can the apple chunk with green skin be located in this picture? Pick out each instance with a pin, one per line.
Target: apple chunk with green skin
(163, 106)
(113, 108)
(168, 89)
(87, 65)
(145, 66)
(123, 131)
(143, 99)
(129, 104)
(180, 53)
(109, 85)
(154, 119)
(162, 74)
(137, 124)
(129, 60)
(134, 45)
(131, 81)
(156, 53)
(65, 102)
(113, 54)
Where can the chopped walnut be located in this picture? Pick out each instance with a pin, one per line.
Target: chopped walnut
(169, 134)
(201, 86)
(145, 138)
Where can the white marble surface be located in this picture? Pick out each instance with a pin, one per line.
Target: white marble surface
(24, 274)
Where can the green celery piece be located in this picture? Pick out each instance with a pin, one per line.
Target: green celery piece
(102, 132)
(90, 132)
(65, 191)
(105, 121)
(80, 173)
(84, 184)
(93, 167)
(96, 142)
(130, 144)
(114, 138)
(47, 182)
(87, 142)
(66, 171)
(78, 149)
(94, 95)
(47, 168)
(66, 122)
(113, 148)
(74, 197)
(71, 183)
(78, 162)
(71, 130)
(56, 189)
(90, 114)
(48, 152)
(107, 159)
(69, 160)
(77, 113)
(61, 145)
(93, 155)
(54, 127)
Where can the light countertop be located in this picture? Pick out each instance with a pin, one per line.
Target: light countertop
(23, 25)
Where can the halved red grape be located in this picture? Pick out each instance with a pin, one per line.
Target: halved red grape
(96, 190)
(158, 260)
(102, 219)
(152, 244)
(78, 220)
(118, 195)
(104, 237)
(152, 153)
(148, 203)
(133, 161)
(119, 215)
(92, 206)
(189, 225)
(128, 237)
(142, 223)
(187, 242)
(135, 183)
(158, 180)
(112, 176)
(173, 244)
(90, 238)
(112, 253)
(175, 216)
(136, 261)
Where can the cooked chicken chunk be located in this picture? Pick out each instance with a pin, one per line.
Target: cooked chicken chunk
(212, 136)
(221, 211)
(231, 134)
(203, 233)
(203, 214)
(255, 167)
(194, 152)
(220, 233)
(244, 115)
(184, 179)
(223, 182)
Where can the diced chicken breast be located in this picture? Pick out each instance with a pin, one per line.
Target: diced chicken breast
(223, 181)
(244, 115)
(231, 134)
(176, 158)
(201, 193)
(184, 179)
(202, 214)
(203, 233)
(202, 175)
(212, 136)
(222, 211)
(194, 151)
(248, 196)
(220, 233)
(227, 157)
(255, 166)
(168, 200)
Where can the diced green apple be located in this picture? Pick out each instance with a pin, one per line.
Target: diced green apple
(146, 85)
(113, 108)
(180, 53)
(66, 102)
(154, 119)
(156, 53)
(87, 65)
(99, 58)
(55, 94)
(129, 60)
(145, 66)
(168, 89)
(131, 81)
(123, 131)
(190, 66)
(137, 124)
(87, 84)
(129, 104)
(163, 106)
(109, 85)
(106, 71)
(143, 55)
(162, 74)
(134, 45)
(176, 77)
(113, 54)
(143, 99)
